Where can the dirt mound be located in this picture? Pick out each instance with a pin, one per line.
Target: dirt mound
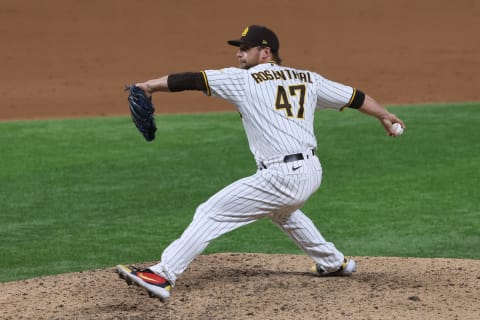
(260, 286)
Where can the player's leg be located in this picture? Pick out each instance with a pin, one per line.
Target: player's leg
(301, 229)
(238, 204)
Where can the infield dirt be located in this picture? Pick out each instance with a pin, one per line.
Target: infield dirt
(72, 58)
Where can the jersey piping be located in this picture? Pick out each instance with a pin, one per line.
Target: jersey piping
(208, 92)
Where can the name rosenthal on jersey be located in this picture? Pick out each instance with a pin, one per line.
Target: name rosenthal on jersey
(285, 74)
(277, 104)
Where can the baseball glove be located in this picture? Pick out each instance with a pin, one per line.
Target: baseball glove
(142, 111)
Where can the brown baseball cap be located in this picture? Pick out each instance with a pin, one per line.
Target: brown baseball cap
(255, 35)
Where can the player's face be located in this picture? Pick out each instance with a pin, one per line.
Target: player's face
(249, 56)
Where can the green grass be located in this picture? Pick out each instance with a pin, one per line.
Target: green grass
(79, 194)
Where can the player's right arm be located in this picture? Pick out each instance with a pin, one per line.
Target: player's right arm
(386, 118)
(338, 96)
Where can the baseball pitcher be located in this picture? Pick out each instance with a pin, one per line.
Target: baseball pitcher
(277, 106)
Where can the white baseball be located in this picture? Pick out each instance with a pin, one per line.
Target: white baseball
(397, 129)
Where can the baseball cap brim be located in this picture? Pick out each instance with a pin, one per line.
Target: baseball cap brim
(237, 43)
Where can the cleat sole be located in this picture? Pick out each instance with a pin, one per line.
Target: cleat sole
(123, 277)
(124, 273)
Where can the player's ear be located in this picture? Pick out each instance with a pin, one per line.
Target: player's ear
(266, 53)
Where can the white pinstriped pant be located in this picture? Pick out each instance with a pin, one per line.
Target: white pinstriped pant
(276, 192)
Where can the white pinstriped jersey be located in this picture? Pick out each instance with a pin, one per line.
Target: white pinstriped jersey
(277, 104)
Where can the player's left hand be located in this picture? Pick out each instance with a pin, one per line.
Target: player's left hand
(142, 111)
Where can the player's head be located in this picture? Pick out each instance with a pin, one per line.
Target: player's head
(258, 44)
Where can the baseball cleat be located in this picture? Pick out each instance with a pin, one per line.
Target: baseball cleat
(156, 285)
(346, 269)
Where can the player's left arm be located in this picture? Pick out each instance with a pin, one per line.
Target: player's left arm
(175, 82)
(386, 118)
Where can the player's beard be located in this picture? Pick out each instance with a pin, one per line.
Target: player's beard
(248, 61)
(244, 64)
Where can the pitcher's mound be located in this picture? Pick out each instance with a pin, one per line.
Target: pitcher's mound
(260, 286)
